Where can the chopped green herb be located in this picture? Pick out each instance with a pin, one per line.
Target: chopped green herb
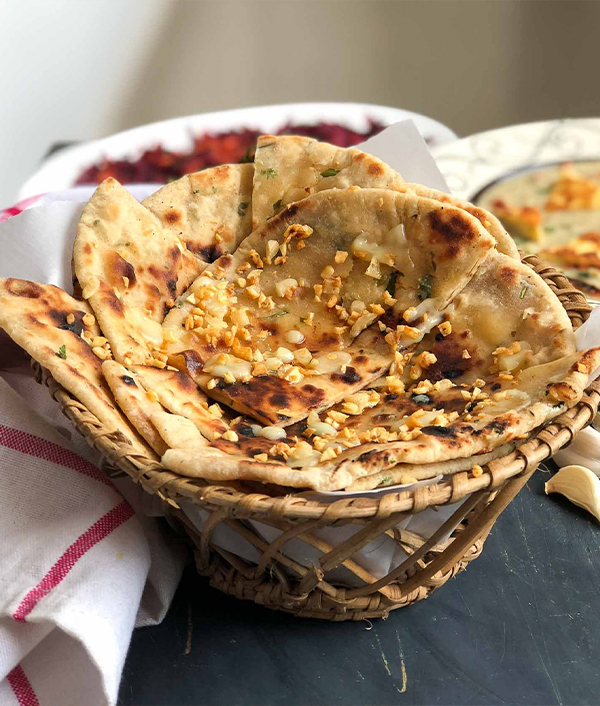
(270, 173)
(391, 283)
(549, 229)
(385, 480)
(96, 222)
(415, 215)
(214, 189)
(248, 157)
(586, 274)
(277, 206)
(197, 191)
(523, 291)
(276, 315)
(242, 209)
(62, 352)
(330, 172)
(425, 285)
(124, 244)
(171, 178)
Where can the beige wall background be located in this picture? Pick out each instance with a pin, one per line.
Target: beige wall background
(82, 69)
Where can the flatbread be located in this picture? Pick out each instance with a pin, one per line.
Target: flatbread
(130, 269)
(177, 392)
(422, 252)
(508, 413)
(505, 244)
(540, 394)
(289, 168)
(177, 431)
(505, 302)
(210, 211)
(408, 473)
(135, 402)
(49, 324)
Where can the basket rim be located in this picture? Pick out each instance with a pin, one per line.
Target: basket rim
(174, 488)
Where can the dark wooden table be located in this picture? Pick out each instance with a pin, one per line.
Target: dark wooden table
(520, 626)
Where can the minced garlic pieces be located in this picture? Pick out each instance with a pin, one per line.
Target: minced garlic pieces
(403, 335)
(286, 288)
(445, 328)
(359, 401)
(394, 384)
(362, 322)
(425, 359)
(373, 270)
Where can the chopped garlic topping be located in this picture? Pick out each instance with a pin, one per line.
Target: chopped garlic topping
(272, 433)
(318, 427)
(294, 336)
(285, 285)
(373, 270)
(284, 354)
(223, 363)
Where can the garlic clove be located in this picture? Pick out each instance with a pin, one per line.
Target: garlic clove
(584, 451)
(579, 485)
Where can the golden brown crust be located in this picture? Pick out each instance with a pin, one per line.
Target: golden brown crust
(49, 324)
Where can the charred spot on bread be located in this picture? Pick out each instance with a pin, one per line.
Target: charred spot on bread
(61, 319)
(173, 216)
(350, 377)
(22, 288)
(119, 267)
(440, 432)
(208, 253)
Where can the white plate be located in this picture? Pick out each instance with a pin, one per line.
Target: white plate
(474, 163)
(471, 164)
(61, 171)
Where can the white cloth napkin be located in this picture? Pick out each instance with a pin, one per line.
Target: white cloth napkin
(585, 450)
(80, 563)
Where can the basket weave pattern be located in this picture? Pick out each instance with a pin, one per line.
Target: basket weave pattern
(279, 582)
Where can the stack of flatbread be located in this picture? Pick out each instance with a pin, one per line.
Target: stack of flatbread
(306, 321)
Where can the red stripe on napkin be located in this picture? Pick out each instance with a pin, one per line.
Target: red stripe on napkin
(19, 207)
(96, 533)
(22, 688)
(48, 451)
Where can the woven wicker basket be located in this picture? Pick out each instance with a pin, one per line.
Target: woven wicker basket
(278, 581)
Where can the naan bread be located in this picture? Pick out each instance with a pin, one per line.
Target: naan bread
(505, 244)
(290, 168)
(504, 303)
(178, 432)
(56, 330)
(130, 269)
(454, 423)
(137, 405)
(408, 473)
(306, 284)
(210, 211)
(539, 394)
(177, 392)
